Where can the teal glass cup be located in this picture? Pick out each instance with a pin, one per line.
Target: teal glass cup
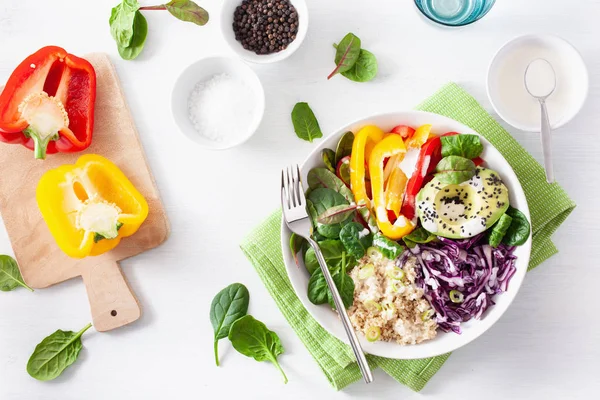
(454, 12)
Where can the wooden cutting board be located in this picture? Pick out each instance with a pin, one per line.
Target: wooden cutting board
(41, 262)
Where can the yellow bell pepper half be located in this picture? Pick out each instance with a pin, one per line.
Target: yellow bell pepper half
(90, 206)
(392, 145)
(362, 147)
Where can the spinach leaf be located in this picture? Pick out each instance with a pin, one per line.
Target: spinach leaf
(388, 247)
(519, 230)
(323, 178)
(55, 353)
(345, 286)
(121, 22)
(323, 199)
(329, 159)
(499, 230)
(343, 171)
(229, 305)
(346, 54)
(297, 244)
(355, 242)
(465, 145)
(454, 170)
(317, 288)
(10, 276)
(305, 123)
(336, 214)
(344, 146)
(253, 339)
(364, 69)
(419, 235)
(140, 31)
(188, 11)
(332, 252)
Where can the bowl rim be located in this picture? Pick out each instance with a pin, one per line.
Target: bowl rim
(423, 13)
(490, 318)
(260, 98)
(247, 55)
(546, 36)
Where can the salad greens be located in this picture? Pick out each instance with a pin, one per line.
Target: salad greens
(344, 147)
(355, 241)
(454, 170)
(317, 287)
(337, 214)
(10, 276)
(252, 338)
(329, 159)
(332, 252)
(519, 229)
(465, 145)
(305, 123)
(55, 353)
(297, 245)
(419, 236)
(344, 284)
(227, 306)
(322, 199)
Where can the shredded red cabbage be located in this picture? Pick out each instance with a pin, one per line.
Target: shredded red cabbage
(470, 266)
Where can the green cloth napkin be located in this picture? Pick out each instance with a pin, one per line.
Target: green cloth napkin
(549, 206)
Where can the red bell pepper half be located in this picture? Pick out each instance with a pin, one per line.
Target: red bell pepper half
(47, 104)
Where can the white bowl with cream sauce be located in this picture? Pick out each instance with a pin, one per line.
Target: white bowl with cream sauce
(506, 81)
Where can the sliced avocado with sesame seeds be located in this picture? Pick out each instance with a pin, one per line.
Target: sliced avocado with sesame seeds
(463, 210)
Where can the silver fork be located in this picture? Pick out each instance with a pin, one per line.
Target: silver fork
(296, 218)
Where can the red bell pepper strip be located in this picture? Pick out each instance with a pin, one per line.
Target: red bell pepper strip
(403, 130)
(47, 104)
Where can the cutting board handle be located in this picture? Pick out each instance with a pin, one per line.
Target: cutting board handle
(112, 301)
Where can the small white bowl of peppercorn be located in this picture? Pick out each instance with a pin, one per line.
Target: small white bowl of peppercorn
(264, 31)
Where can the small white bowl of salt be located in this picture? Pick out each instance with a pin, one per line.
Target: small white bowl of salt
(218, 102)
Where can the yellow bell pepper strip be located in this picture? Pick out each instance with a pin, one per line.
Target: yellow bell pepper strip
(394, 190)
(89, 206)
(388, 147)
(364, 142)
(419, 138)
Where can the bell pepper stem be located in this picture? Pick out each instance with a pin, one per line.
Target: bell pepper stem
(40, 144)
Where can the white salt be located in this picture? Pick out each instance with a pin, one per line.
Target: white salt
(222, 108)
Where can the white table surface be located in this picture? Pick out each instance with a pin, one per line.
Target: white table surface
(546, 345)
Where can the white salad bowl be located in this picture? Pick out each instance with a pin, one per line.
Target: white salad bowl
(443, 342)
(227, 11)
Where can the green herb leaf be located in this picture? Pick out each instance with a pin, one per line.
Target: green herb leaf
(355, 242)
(227, 306)
(305, 123)
(344, 146)
(188, 11)
(420, 236)
(346, 54)
(388, 248)
(121, 22)
(519, 230)
(499, 230)
(332, 252)
(10, 276)
(55, 353)
(344, 284)
(317, 288)
(253, 339)
(329, 159)
(336, 214)
(140, 31)
(364, 69)
(454, 170)
(464, 145)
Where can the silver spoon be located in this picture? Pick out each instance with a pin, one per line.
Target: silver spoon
(540, 82)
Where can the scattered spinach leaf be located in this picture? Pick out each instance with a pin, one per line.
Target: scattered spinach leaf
(455, 169)
(140, 31)
(323, 178)
(365, 68)
(337, 214)
(188, 11)
(121, 22)
(464, 145)
(253, 339)
(317, 288)
(305, 123)
(354, 240)
(499, 230)
(346, 54)
(344, 146)
(418, 236)
(332, 252)
(229, 305)
(388, 247)
(55, 353)
(323, 199)
(345, 286)
(519, 230)
(329, 159)
(10, 276)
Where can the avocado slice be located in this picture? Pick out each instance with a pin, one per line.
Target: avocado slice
(463, 210)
